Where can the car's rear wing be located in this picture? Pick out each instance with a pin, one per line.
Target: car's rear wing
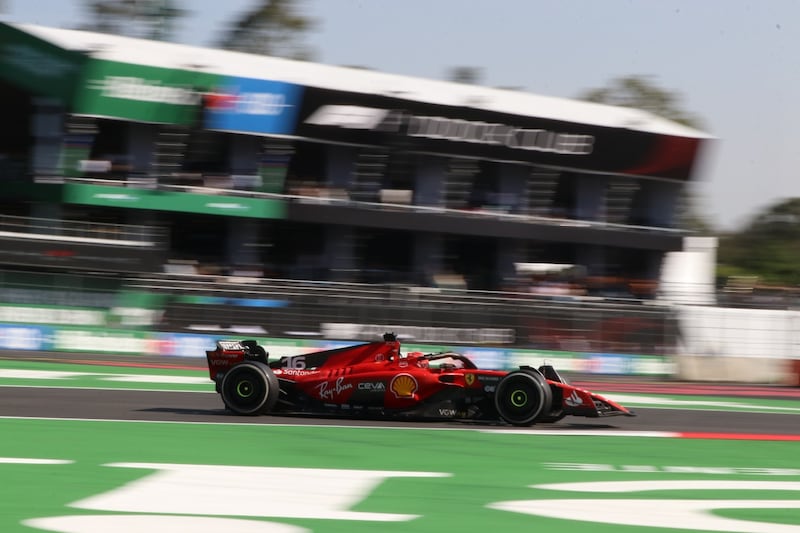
(230, 352)
(225, 355)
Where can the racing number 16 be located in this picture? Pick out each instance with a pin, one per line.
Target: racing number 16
(295, 363)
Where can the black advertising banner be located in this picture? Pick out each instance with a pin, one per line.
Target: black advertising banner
(369, 119)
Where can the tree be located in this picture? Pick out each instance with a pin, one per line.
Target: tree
(689, 214)
(467, 75)
(150, 19)
(768, 248)
(640, 92)
(273, 27)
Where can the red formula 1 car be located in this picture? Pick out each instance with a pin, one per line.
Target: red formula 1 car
(375, 380)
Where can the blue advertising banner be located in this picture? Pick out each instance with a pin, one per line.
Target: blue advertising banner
(21, 337)
(253, 106)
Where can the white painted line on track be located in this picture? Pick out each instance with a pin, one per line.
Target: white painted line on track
(103, 376)
(509, 431)
(663, 402)
(10, 373)
(671, 484)
(32, 461)
(141, 378)
(118, 389)
(122, 523)
(586, 433)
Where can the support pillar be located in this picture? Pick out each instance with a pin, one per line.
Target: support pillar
(429, 181)
(428, 257)
(242, 241)
(509, 252)
(339, 167)
(655, 204)
(513, 183)
(590, 197)
(339, 253)
(48, 133)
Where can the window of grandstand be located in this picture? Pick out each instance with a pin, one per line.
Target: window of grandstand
(15, 135)
(295, 250)
(208, 152)
(201, 238)
(307, 169)
(386, 256)
(565, 199)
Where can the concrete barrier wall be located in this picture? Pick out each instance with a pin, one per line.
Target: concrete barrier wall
(731, 332)
(762, 370)
(738, 345)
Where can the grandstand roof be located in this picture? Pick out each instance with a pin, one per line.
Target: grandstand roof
(191, 58)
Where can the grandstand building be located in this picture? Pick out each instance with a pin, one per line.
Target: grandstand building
(224, 162)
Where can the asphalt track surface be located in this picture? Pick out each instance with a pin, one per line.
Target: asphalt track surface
(199, 407)
(193, 407)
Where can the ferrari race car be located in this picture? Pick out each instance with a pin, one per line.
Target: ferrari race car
(374, 379)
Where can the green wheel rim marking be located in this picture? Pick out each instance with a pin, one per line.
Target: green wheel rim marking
(244, 389)
(519, 398)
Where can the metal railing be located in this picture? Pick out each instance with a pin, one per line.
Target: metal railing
(282, 308)
(82, 231)
(58, 289)
(483, 214)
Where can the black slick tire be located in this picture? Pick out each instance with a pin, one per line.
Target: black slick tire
(523, 396)
(250, 388)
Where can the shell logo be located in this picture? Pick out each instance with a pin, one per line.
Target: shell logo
(404, 386)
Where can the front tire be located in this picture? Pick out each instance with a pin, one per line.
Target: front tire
(249, 388)
(522, 396)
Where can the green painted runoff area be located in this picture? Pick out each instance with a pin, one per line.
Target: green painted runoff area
(470, 474)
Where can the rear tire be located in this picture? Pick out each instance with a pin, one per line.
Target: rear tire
(249, 388)
(522, 396)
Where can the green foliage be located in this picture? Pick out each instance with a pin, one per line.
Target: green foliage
(689, 217)
(272, 27)
(466, 75)
(640, 92)
(768, 248)
(151, 19)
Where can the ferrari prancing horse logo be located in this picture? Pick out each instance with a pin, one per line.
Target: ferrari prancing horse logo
(469, 379)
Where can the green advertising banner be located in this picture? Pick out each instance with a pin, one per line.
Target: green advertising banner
(37, 65)
(209, 204)
(142, 93)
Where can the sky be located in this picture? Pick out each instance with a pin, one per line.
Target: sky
(732, 63)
